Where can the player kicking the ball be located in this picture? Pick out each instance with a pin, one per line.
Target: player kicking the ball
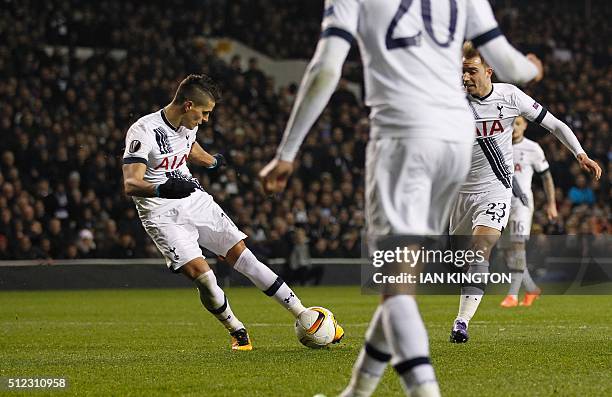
(484, 201)
(420, 142)
(528, 159)
(179, 215)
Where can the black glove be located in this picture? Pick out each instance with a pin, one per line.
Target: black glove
(219, 161)
(518, 192)
(175, 188)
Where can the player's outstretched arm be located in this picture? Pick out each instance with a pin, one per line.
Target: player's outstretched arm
(564, 134)
(509, 64)
(201, 157)
(549, 190)
(318, 84)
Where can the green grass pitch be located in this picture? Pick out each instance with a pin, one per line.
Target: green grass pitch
(161, 342)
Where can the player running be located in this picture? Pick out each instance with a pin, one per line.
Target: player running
(179, 215)
(528, 159)
(420, 142)
(483, 205)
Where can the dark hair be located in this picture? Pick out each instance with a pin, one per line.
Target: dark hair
(198, 88)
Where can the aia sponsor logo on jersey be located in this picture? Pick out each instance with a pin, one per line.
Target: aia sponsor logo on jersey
(488, 128)
(172, 162)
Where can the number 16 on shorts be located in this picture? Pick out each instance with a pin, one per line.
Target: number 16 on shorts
(517, 228)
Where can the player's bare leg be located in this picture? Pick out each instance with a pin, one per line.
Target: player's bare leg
(396, 334)
(243, 260)
(215, 301)
(483, 240)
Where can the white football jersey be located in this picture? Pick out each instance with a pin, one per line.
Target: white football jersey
(528, 158)
(153, 141)
(492, 165)
(411, 55)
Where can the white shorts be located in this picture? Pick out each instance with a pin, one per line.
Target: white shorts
(490, 209)
(411, 184)
(519, 225)
(193, 222)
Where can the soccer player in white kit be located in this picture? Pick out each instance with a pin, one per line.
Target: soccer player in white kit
(179, 215)
(483, 205)
(528, 159)
(420, 141)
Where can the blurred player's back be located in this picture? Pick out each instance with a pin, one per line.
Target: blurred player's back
(411, 52)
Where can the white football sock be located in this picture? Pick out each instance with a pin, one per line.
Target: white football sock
(371, 362)
(267, 281)
(515, 284)
(516, 264)
(215, 301)
(468, 303)
(407, 337)
(471, 295)
(528, 283)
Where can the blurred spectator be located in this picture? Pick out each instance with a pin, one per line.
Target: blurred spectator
(254, 76)
(350, 245)
(107, 239)
(342, 96)
(86, 244)
(57, 237)
(4, 248)
(320, 249)
(581, 193)
(25, 250)
(299, 268)
(125, 248)
(45, 247)
(6, 222)
(71, 252)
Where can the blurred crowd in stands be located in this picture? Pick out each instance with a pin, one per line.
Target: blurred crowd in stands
(63, 119)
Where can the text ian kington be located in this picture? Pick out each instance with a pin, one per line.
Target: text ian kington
(442, 278)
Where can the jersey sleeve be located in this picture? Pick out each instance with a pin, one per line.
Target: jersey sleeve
(539, 163)
(340, 18)
(481, 26)
(482, 29)
(529, 108)
(137, 145)
(562, 132)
